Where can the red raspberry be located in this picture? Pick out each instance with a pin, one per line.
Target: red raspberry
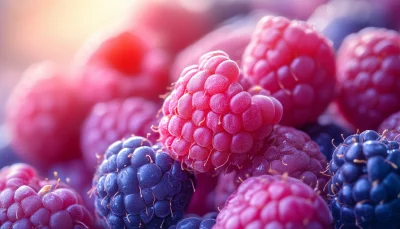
(274, 202)
(44, 116)
(391, 127)
(296, 64)
(291, 151)
(231, 38)
(203, 199)
(209, 121)
(119, 65)
(114, 120)
(368, 74)
(28, 202)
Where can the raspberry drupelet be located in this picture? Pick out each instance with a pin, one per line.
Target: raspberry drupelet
(209, 122)
(296, 64)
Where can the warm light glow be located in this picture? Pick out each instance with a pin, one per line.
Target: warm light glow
(54, 29)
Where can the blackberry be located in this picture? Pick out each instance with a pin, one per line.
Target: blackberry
(326, 136)
(138, 185)
(365, 183)
(196, 222)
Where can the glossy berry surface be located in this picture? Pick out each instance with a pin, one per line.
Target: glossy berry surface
(44, 116)
(209, 122)
(295, 63)
(274, 202)
(365, 182)
(368, 72)
(327, 136)
(114, 120)
(26, 201)
(390, 127)
(196, 222)
(139, 186)
(292, 152)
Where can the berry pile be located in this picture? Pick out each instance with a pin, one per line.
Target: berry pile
(259, 128)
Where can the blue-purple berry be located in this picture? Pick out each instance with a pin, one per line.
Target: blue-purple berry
(365, 183)
(140, 186)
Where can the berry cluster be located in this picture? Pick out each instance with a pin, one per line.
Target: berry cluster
(257, 130)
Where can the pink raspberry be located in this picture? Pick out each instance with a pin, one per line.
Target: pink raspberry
(296, 64)
(368, 75)
(210, 122)
(121, 64)
(26, 201)
(391, 127)
(202, 201)
(111, 121)
(274, 202)
(44, 116)
(291, 151)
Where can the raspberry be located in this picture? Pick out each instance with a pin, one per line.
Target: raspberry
(368, 72)
(391, 127)
(203, 198)
(120, 65)
(196, 222)
(326, 136)
(296, 64)
(77, 176)
(338, 19)
(291, 151)
(365, 183)
(114, 120)
(139, 186)
(28, 202)
(274, 202)
(209, 121)
(44, 116)
(231, 38)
